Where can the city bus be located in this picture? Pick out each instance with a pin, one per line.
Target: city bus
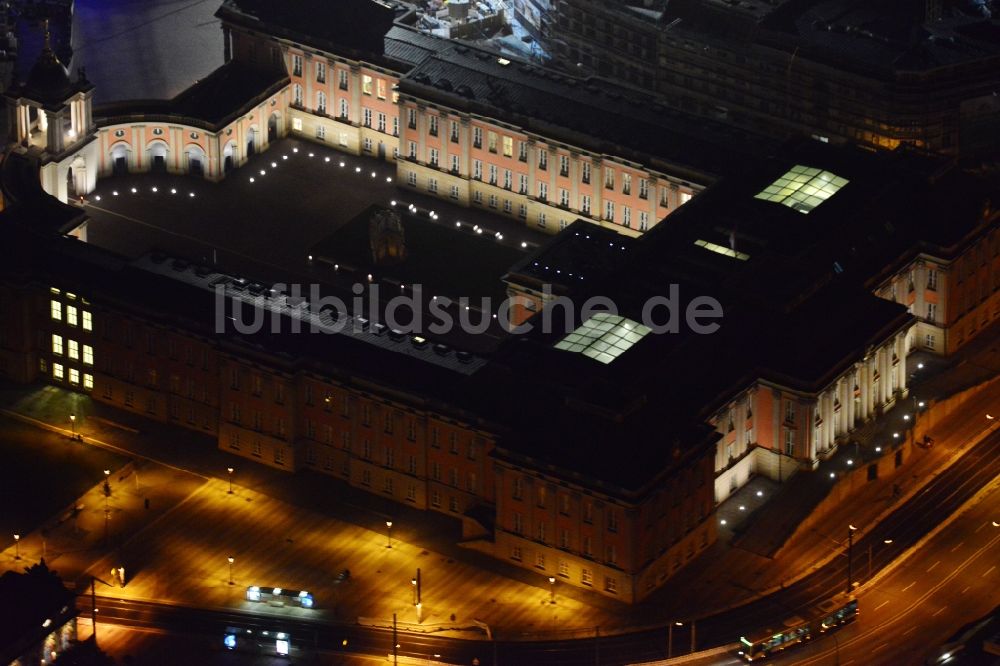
(798, 629)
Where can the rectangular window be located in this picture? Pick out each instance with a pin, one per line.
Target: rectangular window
(411, 178)
(395, 126)
(57, 370)
(88, 381)
(586, 577)
(454, 192)
(477, 137)
(564, 198)
(626, 216)
(643, 188)
(543, 191)
(432, 125)
(454, 132)
(367, 117)
(380, 88)
(477, 169)
(522, 211)
(56, 310)
(71, 315)
(74, 376)
(412, 150)
(541, 220)
(411, 118)
(432, 157)
(585, 173)
(320, 72)
(296, 65)
(508, 179)
(57, 344)
(585, 204)
(643, 220)
(522, 151)
(343, 79)
(543, 159)
(455, 163)
(564, 165)
(381, 122)
(432, 185)
(609, 211)
(515, 553)
(932, 279)
(508, 147)
(88, 321)
(931, 312)
(564, 568)
(366, 84)
(491, 144)
(523, 184)
(626, 183)
(610, 585)
(73, 349)
(609, 178)
(493, 174)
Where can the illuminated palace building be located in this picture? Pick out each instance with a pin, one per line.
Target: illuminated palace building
(597, 454)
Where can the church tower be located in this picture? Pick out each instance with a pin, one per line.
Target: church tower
(50, 120)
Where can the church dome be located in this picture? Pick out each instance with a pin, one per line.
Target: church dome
(48, 80)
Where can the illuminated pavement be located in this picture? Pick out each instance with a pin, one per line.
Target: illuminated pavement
(907, 612)
(182, 558)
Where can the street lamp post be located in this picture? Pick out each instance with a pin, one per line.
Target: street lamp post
(552, 589)
(670, 637)
(388, 534)
(850, 558)
(72, 425)
(17, 546)
(230, 470)
(231, 560)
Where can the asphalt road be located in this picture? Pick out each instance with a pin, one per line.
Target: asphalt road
(904, 527)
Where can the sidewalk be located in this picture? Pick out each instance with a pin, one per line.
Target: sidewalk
(286, 530)
(514, 601)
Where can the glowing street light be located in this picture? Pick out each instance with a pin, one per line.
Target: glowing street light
(230, 470)
(231, 560)
(17, 546)
(850, 559)
(388, 534)
(72, 424)
(552, 589)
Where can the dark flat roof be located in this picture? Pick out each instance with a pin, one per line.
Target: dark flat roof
(228, 92)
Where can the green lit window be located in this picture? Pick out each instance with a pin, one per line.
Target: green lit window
(803, 188)
(604, 337)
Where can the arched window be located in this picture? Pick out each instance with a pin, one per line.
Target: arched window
(320, 102)
(297, 95)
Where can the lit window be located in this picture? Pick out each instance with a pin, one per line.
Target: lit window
(54, 290)
(803, 188)
(297, 124)
(56, 310)
(71, 315)
(604, 337)
(508, 147)
(88, 355)
(57, 344)
(74, 376)
(380, 88)
(74, 349)
(88, 381)
(88, 321)
(366, 84)
(57, 370)
(722, 249)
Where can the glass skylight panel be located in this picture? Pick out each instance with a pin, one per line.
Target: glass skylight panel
(803, 188)
(722, 249)
(604, 337)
